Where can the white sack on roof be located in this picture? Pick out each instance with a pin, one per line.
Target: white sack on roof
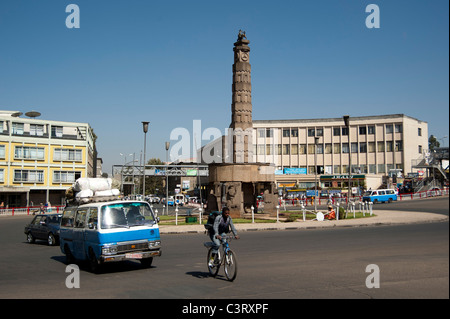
(109, 192)
(84, 195)
(94, 184)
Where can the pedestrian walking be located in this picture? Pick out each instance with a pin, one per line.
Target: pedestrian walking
(42, 209)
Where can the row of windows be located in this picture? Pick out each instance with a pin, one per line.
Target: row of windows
(35, 129)
(67, 155)
(32, 176)
(37, 176)
(328, 148)
(37, 153)
(356, 169)
(337, 131)
(26, 152)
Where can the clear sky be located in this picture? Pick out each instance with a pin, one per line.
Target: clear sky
(169, 63)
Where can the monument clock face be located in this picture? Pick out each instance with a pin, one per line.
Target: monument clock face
(244, 56)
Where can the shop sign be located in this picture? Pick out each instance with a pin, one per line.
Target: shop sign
(325, 177)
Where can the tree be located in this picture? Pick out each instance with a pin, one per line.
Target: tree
(433, 143)
(152, 183)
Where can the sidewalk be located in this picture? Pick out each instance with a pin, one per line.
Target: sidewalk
(382, 217)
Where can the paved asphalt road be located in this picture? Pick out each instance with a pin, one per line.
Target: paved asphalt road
(413, 261)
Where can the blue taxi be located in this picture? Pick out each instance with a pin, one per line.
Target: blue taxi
(112, 231)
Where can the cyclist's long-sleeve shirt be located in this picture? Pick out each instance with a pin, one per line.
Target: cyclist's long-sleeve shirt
(220, 226)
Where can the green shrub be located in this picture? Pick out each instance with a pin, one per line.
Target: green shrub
(291, 218)
(341, 213)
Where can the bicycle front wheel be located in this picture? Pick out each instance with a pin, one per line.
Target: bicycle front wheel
(212, 267)
(230, 264)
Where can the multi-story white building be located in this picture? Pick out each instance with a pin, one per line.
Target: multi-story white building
(40, 159)
(377, 144)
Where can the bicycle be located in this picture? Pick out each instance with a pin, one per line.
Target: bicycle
(224, 256)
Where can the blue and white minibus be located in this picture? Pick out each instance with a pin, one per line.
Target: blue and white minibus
(380, 196)
(110, 231)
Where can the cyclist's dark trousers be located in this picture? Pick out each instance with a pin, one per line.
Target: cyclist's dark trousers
(217, 242)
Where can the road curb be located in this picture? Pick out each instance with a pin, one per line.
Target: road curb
(382, 218)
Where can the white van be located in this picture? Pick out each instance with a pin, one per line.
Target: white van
(180, 199)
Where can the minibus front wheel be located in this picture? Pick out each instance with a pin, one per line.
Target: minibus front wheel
(94, 263)
(147, 262)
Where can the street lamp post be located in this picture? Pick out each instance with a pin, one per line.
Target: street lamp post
(443, 140)
(347, 124)
(316, 141)
(145, 128)
(167, 177)
(121, 171)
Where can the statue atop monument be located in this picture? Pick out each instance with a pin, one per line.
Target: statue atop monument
(241, 35)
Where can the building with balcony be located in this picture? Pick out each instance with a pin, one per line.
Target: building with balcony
(40, 159)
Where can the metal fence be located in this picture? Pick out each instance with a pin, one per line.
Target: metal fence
(343, 200)
(31, 210)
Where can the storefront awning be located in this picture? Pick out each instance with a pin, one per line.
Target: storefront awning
(7, 189)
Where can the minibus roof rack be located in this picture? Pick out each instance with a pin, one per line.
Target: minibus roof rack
(92, 199)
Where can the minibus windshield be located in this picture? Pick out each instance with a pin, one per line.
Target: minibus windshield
(126, 214)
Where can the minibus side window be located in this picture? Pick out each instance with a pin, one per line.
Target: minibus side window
(92, 218)
(80, 220)
(67, 218)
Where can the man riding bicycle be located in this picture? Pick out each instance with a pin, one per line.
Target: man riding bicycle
(221, 227)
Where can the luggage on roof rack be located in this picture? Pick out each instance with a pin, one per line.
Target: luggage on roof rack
(91, 190)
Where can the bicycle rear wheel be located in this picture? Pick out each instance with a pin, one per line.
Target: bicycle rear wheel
(230, 265)
(212, 267)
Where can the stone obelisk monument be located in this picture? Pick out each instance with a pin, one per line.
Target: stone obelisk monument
(238, 182)
(241, 105)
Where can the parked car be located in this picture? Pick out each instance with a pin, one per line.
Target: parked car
(153, 200)
(170, 201)
(45, 227)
